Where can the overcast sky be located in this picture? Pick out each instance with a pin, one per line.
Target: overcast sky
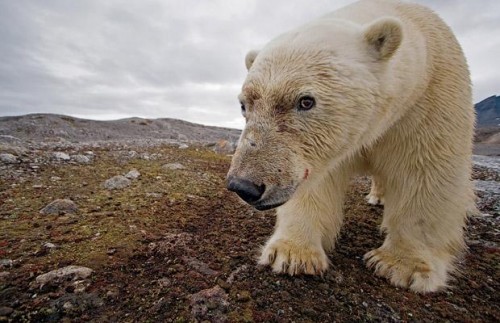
(179, 59)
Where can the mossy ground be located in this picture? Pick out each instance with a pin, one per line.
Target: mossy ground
(118, 234)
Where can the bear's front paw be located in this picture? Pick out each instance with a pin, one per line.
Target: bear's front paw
(285, 256)
(406, 271)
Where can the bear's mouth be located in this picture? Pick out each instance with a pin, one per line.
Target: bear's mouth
(265, 207)
(274, 197)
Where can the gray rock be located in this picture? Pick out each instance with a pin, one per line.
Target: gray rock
(210, 304)
(8, 159)
(81, 159)
(183, 146)
(68, 306)
(49, 245)
(154, 195)
(6, 263)
(164, 282)
(77, 272)
(61, 156)
(116, 182)
(133, 174)
(173, 166)
(60, 206)
(199, 266)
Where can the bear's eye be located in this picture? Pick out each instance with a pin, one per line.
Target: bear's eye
(306, 103)
(243, 108)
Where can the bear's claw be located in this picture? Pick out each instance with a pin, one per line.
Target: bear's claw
(407, 272)
(286, 257)
(374, 199)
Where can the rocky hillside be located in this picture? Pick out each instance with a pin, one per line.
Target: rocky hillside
(53, 128)
(488, 112)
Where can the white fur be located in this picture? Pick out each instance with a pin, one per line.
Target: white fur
(393, 99)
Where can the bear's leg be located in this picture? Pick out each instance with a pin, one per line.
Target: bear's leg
(306, 227)
(424, 223)
(376, 195)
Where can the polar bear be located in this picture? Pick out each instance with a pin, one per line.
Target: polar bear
(379, 87)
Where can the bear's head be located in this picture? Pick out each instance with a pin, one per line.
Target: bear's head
(311, 99)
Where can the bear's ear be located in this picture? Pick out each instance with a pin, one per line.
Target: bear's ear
(384, 36)
(250, 58)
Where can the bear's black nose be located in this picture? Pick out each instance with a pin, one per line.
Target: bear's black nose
(248, 191)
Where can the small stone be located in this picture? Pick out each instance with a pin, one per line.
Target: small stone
(173, 166)
(81, 159)
(222, 283)
(68, 306)
(49, 245)
(8, 159)
(117, 182)
(55, 178)
(154, 195)
(60, 206)
(199, 266)
(6, 263)
(183, 146)
(61, 156)
(213, 300)
(164, 282)
(75, 271)
(234, 274)
(243, 296)
(113, 292)
(80, 286)
(6, 311)
(133, 174)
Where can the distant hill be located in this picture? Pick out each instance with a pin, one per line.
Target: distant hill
(53, 127)
(488, 112)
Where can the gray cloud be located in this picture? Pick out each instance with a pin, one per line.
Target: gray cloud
(152, 58)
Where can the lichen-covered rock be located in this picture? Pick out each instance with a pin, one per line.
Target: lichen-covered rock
(133, 174)
(117, 182)
(81, 159)
(76, 272)
(60, 206)
(173, 166)
(210, 304)
(8, 159)
(61, 156)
